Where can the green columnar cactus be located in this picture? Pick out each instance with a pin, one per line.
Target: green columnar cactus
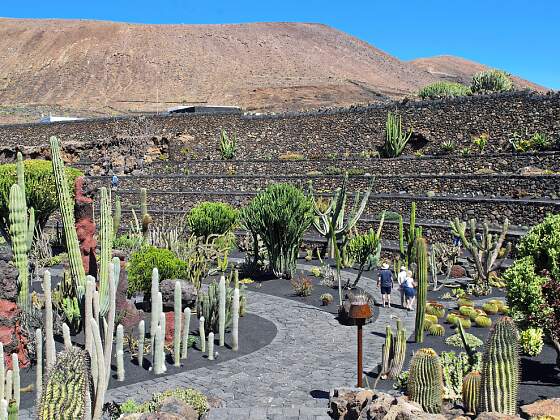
(16, 379)
(162, 322)
(143, 202)
(401, 236)
(471, 392)
(177, 324)
(67, 387)
(395, 138)
(20, 169)
(202, 334)
(66, 336)
(208, 305)
(117, 215)
(109, 321)
(386, 350)
(106, 237)
(159, 347)
(38, 367)
(500, 369)
(102, 376)
(66, 204)
(398, 352)
(422, 277)
(330, 223)
(211, 346)
(425, 382)
(120, 353)
(235, 319)
(50, 351)
(155, 314)
(186, 329)
(18, 234)
(141, 339)
(484, 251)
(222, 310)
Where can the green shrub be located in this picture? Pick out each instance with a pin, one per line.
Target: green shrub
(192, 397)
(542, 243)
(40, 188)
(280, 215)
(491, 81)
(531, 341)
(143, 261)
(227, 145)
(443, 90)
(208, 218)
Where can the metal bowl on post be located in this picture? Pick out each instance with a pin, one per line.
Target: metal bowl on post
(360, 311)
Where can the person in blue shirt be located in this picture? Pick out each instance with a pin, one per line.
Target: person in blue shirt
(385, 280)
(114, 182)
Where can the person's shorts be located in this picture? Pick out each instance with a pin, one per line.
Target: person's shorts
(385, 290)
(409, 292)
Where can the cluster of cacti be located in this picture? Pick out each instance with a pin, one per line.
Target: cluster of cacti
(106, 237)
(208, 306)
(393, 352)
(227, 145)
(395, 138)
(10, 392)
(330, 222)
(500, 369)
(471, 392)
(476, 312)
(484, 249)
(407, 248)
(435, 309)
(442, 259)
(67, 392)
(466, 310)
(425, 382)
(422, 279)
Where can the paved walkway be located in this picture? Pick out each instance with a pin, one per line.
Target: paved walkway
(290, 378)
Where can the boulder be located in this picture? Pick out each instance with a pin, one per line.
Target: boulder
(178, 407)
(496, 416)
(127, 313)
(550, 407)
(11, 333)
(8, 274)
(404, 409)
(167, 289)
(457, 272)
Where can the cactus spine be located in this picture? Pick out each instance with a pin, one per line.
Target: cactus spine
(211, 346)
(202, 334)
(222, 310)
(425, 382)
(49, 335)
(500, 369)
(422, 265)
(471, 390)
(16, 379)
(120, 353)
(106, 236)
(66, 336)
(186, 328)
(39, 367)
(141, 339)
(235, 319)
(177, 302)
(67, 212)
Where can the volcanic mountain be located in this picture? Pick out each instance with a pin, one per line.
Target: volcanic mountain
(93, 68)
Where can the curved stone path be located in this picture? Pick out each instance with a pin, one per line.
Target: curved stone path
(289, 378)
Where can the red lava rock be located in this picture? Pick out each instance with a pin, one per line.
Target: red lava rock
(169, 327)
(85, 227)
(11, 334)
(457, 272)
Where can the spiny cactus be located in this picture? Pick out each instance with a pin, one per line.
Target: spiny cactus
(106, 237)
(208, 306)
(141, 339)
(38, 368)
(9, 390)
(235, 319)
(120, 353)
(422, 276)
(393, 352)
(471, 392)
(66, 205)
(425, 382)
(395, 138)
(50, 351)
(2, 372)
(16, 379)
(177, 324)
(155, 307)
(67, 387)
(222, 310)
(66, 336)
(211, 346)
(437, 330)
(386, 352)
(500, 369)
(202, 334)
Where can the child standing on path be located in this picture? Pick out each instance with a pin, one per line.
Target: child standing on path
(385, 279)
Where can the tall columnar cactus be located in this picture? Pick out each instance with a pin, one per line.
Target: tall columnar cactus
(186, 329)
(211, 346)
(386, 350)
(146, 218)
(395, 138)
(422, 277)
(16, 379)
(19, 234)
(235, 319)
(67, 387)
(155, 314)
(67, 212)
(471, 391)
(202, 334)
(330, 222)
(401, 237)
(66, 336)
(398, 351)
(120, 353)
(500, 369)
(425, 382)
(9, 390)
(38, 369)
(114, 272)
(222, 310)
(484, 249)
(106, 237)
(159, 347)
(102, 376)
(50, 351)
(20, 169)
(88, 313)
(117, 215)
(177, 324)
(141, 339)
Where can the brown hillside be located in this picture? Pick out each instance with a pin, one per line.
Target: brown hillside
(457, 69)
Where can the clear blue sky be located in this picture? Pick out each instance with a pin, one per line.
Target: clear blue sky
(522, 37)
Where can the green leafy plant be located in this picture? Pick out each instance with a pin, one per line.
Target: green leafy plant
(481, 141)
(395, 138)
(531, 341)
(142, 263)
(491, 81)
(443, 89)
(208, 218)
(448, 146)
(280, 216)
(365, 249)
(534, 143)
(228, 145)
(190, 396)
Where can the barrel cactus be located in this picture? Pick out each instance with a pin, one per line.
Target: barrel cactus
(425, 382)
(471, 391)
(67, 387)
(483, 321)
(436, 329)
(500, 369)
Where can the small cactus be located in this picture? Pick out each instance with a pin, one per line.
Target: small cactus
(202, 334)
(436, 330)
(186, 329)
(177, 302)
(141, 339)
(490, 308)
(483, 321)
(120, 353)
(425, 382)
(211, 346)
(471, 392)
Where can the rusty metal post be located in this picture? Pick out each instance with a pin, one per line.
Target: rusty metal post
(360, 358)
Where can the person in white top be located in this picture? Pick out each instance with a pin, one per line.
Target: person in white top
(401, 278)
(409, 287)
